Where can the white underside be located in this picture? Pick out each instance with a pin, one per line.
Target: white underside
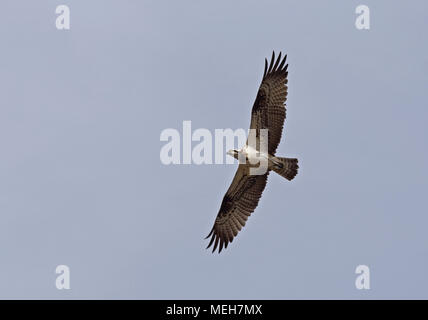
(253, 155)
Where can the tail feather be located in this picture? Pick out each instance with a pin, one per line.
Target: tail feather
(286, 167)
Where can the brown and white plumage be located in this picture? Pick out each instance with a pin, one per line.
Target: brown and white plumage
(269, 108)
(244, 193)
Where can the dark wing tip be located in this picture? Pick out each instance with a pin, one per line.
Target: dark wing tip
(217, 238)
(211, 242)
(275, 65)
(218, 241)
(280, 68)
(277, 62)
(271, 62)
(213, 236)
(211, 232)
(221, 245)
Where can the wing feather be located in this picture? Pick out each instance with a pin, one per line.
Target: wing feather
(269, 110)
(238, 203)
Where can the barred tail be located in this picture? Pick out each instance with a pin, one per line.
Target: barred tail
(286, 167)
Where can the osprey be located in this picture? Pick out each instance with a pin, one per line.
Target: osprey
(244, 193)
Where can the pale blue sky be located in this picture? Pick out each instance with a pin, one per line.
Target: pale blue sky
(81, 182)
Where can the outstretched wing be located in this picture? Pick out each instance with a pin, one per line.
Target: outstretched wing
(238, 203)
(269, 108)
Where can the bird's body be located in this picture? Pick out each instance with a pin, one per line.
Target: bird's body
(242, 197)
(252, 157)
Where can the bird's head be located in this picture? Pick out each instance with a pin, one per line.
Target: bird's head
(234, 153)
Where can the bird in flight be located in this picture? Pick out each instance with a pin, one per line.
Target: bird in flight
(244, 193)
